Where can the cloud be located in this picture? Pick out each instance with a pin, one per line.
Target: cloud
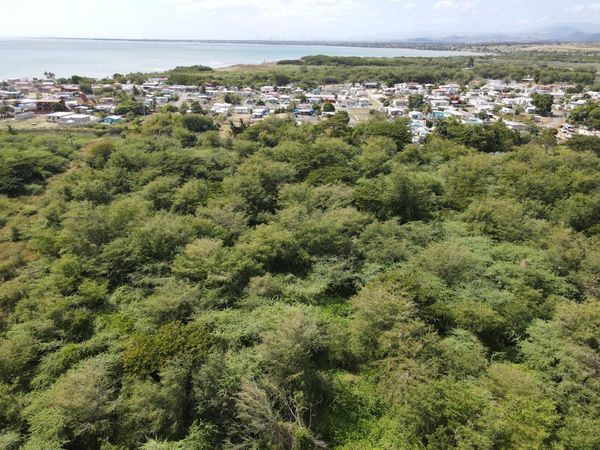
(405, 4)
(589, 8)
(276, 8)
(456, 7)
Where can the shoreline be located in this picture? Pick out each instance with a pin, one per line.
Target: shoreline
(406, 45)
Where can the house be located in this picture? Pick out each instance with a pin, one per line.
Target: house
(77, 119)
(531, 109)
(27, 104)
(50, 104)
(400, 102)
(259, 113)
(221, 108)
(10, 94)
(419, 133)
(304, 112)
(71, 88)
(396, 112)
(57, 116)
(243, 110)
(437, 115)
(105, 108)
(473, 121)
(24, 115)
(517, 126)
(111, 120)
(81, 109)
(363, 102)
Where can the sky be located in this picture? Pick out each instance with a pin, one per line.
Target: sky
(284, 19)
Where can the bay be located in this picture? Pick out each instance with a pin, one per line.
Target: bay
(20, 58)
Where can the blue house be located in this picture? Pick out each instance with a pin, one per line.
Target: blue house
(111, 120)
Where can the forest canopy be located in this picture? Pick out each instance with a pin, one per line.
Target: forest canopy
(298, 287)
(317, 70)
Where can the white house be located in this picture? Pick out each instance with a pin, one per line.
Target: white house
(416, 115)
(77, 119)
(243, 110)
(259, 113)
(363, 102)
(57, 116)
(221, 108)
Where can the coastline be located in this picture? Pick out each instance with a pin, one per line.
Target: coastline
(441, 46)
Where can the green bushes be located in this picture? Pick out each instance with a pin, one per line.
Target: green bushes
(146, 355)
(306, 286)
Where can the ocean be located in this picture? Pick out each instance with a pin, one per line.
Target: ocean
(98, 58)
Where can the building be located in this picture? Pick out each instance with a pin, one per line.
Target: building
(47, 105)
(259, 113)
(77, 119)
(221, 108)
(57, 116)
(111, 120)
(243, 110)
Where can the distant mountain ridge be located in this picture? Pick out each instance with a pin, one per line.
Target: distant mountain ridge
(577, 32)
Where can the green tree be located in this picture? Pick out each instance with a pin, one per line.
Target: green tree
(416, 102)
(543, 103)
(198, 123)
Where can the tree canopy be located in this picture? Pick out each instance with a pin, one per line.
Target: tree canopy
(298, 287)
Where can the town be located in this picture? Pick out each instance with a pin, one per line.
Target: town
(47, 102)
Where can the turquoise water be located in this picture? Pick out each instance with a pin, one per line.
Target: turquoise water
(33, 57)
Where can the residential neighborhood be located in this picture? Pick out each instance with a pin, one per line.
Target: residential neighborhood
(47, 102)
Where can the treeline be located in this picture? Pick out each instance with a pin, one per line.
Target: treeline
(299, 287)
(312, 71)
(353, 61)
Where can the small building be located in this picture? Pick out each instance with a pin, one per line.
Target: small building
(396, 112)
(363, 102)
(24, 115)
(57, 116)
(437, 115)
(259, 113)
(27, 104)
(243, 110)
(221, 108)
(112, 120)
(77, 119)
(12, 94)
(416, 115)
(473, 121)
(517, 126)
(50, 104)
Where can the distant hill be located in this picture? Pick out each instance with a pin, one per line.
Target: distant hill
(577, 32)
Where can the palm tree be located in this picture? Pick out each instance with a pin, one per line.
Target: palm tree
(237, 129)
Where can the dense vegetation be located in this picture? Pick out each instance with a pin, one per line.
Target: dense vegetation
(588, 115)
(313, 71)
(298, 288)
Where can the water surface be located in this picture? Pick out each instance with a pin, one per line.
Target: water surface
(98, 58)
